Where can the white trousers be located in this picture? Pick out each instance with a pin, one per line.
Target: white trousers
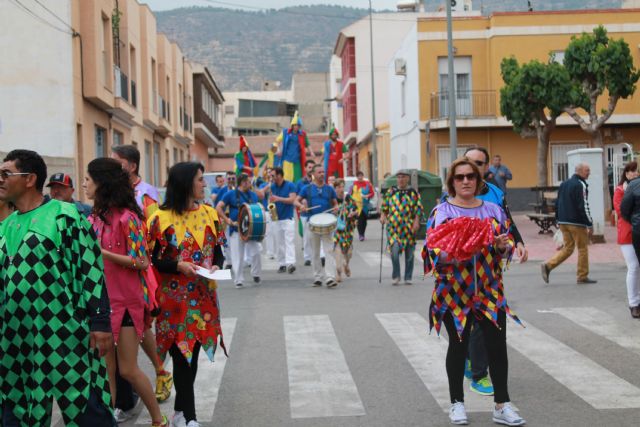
(328, 272)
(270, 239)
(633, 274)
(284, 231)
(238, 249)
(306, 240)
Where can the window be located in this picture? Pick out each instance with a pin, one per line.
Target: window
(403, 96)
(560, 162)
(156, 164)
(462, 71)
(175, 155)
(118, 138)
(147, 161)
(154, 87)
(101, 142)
(104, 46)
(444, 160)
(228, 109)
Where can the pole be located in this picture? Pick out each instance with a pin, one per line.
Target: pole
(374, 148)
(381, 251)
(451, 79)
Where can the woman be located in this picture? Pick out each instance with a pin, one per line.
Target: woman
(343, 237)
(624, 240)
(455, 299)
(184, 236)
(119, 226)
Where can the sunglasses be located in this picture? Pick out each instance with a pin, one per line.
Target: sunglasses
(6, 174)
(461, 176)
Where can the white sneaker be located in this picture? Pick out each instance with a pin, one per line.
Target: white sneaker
(507, 416)
(178, 420)
(457, 414)
(193, 423)
(122, 416)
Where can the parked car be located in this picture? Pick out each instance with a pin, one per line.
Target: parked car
(374, 211)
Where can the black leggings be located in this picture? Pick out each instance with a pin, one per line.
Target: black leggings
(495, 341)
(635, 240)
(362, 223)
(184, 376)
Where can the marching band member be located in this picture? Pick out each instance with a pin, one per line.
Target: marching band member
(234, 200)
(270, 241)
(304, 216)
(283, 195)
(343, 237)
(314, 198)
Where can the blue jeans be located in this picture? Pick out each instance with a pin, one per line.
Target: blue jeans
(408, 261)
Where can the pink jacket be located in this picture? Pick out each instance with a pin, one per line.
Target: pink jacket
(624, 228)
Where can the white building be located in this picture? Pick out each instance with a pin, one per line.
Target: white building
(257, 112)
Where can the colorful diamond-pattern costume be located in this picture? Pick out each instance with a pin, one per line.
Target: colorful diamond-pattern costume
(189, 309)
(344, 238)
(52, 293)
(455, 290)
(401, 207)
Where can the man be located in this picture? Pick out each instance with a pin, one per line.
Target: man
(147, 198)
(294, 149)
(362, 192)
(215, 191)
(270, 241)
(61, 188)
(401, 212)
(245, 162)
(55, 324)
(500, 173)
(304, 216)
(334, 154)
(283, 194)
(315, 198)
(574, 219)
(238, 248)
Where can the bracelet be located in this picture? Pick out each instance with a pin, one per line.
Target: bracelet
(134, 263)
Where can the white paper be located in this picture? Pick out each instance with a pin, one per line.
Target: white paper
(216, 275)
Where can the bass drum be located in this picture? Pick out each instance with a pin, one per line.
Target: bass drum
(251, 222)
(323, 223)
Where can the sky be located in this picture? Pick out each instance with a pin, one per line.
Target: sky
(260, 4)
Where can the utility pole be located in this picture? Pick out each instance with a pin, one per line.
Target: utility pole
(374, 148)
(451, 81)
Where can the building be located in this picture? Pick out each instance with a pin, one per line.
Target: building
(257, 112)
(311, 93)
(207, 115)
(419, 105)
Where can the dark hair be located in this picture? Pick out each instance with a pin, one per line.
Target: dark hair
(316, 166)
(180, 186)
(309, 162)
(113, 188)
(338, 182)
(452, 170)
(629, 167)
(219, 176)
(278, 171)
(242, 177)
(359, 173)
(229, 173)
(30, 162)
(482, 150)
(128, 152)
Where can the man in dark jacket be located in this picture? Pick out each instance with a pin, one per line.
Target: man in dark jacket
(574, 219)
(630, 211)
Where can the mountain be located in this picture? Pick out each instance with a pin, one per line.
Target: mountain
(244, 48)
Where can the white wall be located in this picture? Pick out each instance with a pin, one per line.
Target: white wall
(36, 80)
(405, 128)
(335, 87)
(233, 98)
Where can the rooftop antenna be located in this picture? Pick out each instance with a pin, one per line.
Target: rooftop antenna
(529, 4)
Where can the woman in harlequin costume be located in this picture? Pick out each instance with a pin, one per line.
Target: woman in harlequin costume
(333, 153)
(343, 236)
(294, 149)
(458, 294)
(185, 235)
(118, 222)
(245, 162)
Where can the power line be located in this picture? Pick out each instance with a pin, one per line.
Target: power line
(37, 17)
(55, 16)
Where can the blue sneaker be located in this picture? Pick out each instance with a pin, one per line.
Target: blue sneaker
(482, 386)
(467, 369)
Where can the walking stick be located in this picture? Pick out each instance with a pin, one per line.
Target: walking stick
(381, 244)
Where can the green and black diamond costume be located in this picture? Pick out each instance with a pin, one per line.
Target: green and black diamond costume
(52, 294)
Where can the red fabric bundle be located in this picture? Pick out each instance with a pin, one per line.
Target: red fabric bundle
(461, 238)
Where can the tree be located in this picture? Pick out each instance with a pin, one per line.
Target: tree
(533, 97)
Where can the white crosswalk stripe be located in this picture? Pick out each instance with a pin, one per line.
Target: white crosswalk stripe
(320, 383)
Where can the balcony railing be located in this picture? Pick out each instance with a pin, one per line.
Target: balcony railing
(154, 102)
(121, 83)
(134, 94)
(469, 104)
(164, 108)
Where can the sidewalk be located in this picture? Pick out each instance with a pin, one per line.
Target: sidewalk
(541, 246)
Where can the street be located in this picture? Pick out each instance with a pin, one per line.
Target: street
(360, 354)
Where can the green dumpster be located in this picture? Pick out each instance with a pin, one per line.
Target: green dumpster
(428, 185)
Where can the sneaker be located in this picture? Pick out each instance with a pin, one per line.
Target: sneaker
(164, 382)
(331, 283)
(163, 423)
(396, 281)
(408, 282)
(483, 386)
(322, 260)
(507, 416)
(457, 414)
(545, 272)
(635, 312)
(227, 267)
(586, 281)
(256, 279)
(193, 423)
(122, 416)
(307, 263)
(291, 269)
(467, 370)
(361, 238)
(178, 420)
(316, 283)
(282, 269)
(238, 285)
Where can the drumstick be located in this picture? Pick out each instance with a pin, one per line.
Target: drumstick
(313, 207)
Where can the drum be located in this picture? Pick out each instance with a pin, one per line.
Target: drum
(323, 223)
(251, 222)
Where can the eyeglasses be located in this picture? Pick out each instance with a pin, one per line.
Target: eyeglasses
(461, 176)
(479, 163)
(6, 174)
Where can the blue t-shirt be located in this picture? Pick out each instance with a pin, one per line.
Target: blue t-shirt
(293, 148)
(234, 200)
(265, 200)
(285, 210)
(318, 196)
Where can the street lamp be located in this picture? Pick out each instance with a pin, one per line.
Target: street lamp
(453, 132)
(374, 172)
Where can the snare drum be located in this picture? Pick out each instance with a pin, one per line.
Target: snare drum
(251, 222)
(323, 223)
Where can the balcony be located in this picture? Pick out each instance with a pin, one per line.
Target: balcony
(121, 83)
(475, 104)
(165, 125)
(122, 108)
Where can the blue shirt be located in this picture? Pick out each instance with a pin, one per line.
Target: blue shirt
(501, 180)
(265, 201)
(285, 210)
(293, 147)
(234, 200)
(321, 197)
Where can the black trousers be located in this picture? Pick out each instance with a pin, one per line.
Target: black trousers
(635, 240)
(184, 375)
(362, 223)
(496, 344)
(477, 353)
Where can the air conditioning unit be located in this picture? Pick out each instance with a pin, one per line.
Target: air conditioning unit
(401, 67)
